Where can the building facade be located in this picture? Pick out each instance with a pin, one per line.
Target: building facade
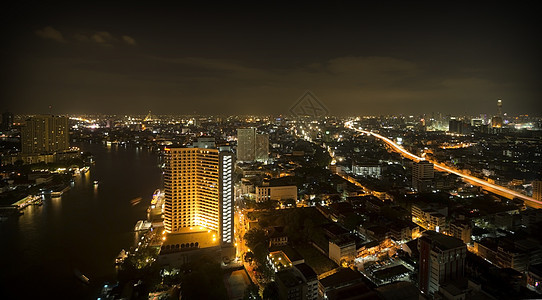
(422, 175)
(442, 259)
(367, 170)
(199, 191)
(261, 149)
(246, 143)
(278, 193)
(252, 146)
(462, 231)
(45, 134)
(7, 121)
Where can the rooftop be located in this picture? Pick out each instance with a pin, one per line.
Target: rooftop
(280, 260)
(400, 290)
(307, 271)
(289, 278)
(343, 240)
(290, 252)
(356, 291)
(341, 277)
(442, 241)
(205, 238)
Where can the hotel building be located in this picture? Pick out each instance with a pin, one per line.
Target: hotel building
(198, 188)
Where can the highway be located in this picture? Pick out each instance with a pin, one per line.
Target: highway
(493, 188)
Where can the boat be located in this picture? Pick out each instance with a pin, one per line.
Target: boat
(142, 225)
(95, 182)
(121, 257)
(81, 277)
(58, 190)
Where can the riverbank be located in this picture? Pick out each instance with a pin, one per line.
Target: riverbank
(84, 229)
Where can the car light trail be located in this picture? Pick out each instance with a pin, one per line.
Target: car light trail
(497, 189)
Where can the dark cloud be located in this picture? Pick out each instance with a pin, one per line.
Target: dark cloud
(357, 59)
(51, 34)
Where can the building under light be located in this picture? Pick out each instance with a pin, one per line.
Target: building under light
(45, 134)
(422, 175)
(198, 211)
(252, 146)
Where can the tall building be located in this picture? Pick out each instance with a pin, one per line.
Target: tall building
(45, 134)
(198, 187)
(442, 260)
(497, 121)
(537, 190)
(422, 175)
(459, 126)
(246, 143)
(252, 146)
(7, 121)
(261, 151)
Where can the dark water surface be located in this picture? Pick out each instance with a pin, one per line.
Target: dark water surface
(84, 229)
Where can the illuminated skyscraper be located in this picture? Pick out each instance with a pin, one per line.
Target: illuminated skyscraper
(199, 191)
(497, 121)
(45, 134)
(252, 146)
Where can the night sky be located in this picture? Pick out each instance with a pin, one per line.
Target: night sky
(421, 57)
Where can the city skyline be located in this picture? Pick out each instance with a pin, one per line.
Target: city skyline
(356, 59)
(271, 150)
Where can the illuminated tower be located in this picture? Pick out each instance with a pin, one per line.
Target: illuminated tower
(497, 121)
(198, 187)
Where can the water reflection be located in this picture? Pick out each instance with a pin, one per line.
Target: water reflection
(85, 228)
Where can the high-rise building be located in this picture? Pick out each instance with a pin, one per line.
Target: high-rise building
(454, 126)
(537, 190)
(497, 121)
(252, 146)
(442, 260)
(7, 121)
(422, 175)
(261, 151)
(198, 187)
(459, 126)
(246, 141)
(45, 134)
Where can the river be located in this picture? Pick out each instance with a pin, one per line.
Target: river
(84, 229)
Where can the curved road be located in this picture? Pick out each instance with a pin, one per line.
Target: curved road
(496, 189)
